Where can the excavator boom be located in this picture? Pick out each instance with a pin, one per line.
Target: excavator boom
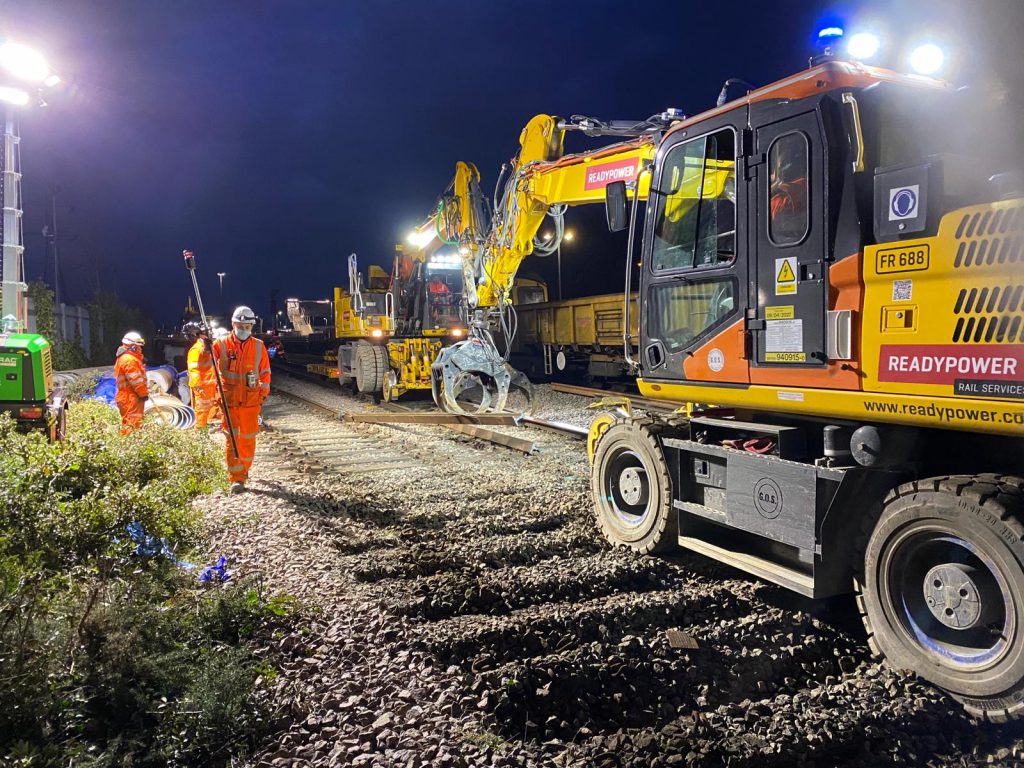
(542, 181)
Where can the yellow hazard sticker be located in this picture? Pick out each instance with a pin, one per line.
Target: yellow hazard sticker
(779, 313)
(785, 275)
(785, 357)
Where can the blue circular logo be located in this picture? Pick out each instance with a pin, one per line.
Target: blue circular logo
(904, 202)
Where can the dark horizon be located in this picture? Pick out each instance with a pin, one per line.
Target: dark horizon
(274, 138)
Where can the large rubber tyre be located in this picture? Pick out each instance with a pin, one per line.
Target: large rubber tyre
(942, 588)
(371, 363)
(632, 488)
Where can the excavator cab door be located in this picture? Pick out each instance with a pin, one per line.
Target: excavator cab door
(694, 277)
(786, 183)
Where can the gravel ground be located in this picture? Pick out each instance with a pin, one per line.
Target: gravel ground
(467, 613)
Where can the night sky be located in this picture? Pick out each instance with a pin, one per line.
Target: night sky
(274, 138)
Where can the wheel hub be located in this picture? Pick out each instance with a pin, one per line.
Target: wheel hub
(631, 485)
(952, 596)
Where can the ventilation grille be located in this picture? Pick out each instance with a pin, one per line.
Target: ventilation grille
(990, 237)
(47, 364)
(990, 314)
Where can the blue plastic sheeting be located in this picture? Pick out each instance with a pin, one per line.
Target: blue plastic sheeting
(151, 546)
(106, 389)
(216, 572)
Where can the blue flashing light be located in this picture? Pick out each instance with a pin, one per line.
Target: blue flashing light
(830, 33)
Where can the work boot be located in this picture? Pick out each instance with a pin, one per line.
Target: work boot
(237, 487)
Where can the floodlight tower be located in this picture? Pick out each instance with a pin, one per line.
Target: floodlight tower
(24, 74)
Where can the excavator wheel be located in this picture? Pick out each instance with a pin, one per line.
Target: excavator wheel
(941, 590)
(371, 363)
(631, 487)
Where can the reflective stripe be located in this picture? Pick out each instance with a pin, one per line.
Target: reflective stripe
(236, 468)
(230, 375)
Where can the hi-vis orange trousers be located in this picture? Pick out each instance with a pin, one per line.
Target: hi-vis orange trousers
(245, 426)
(204, 403)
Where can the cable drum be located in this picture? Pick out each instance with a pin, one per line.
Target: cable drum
(169, 410)
(162, 380)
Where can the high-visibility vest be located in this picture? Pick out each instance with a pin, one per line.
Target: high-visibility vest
(200, 367)
(130, 375)
(244, 370)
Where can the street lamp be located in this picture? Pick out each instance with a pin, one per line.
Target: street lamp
(22, 70)
(568, 236)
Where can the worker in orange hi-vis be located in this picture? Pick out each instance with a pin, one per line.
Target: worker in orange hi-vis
(201, 379)
(130, 374)
(245, 375)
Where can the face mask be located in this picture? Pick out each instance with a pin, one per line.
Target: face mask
(242, 334)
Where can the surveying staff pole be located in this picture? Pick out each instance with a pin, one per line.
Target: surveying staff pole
(190, 264)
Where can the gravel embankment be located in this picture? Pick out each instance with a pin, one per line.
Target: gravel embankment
(469, 614)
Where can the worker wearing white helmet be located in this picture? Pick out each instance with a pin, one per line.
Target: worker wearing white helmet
(130, 375)
(245, 374)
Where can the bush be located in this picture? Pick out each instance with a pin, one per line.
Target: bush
(107, 657)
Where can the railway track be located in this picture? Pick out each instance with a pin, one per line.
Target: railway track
(309, 435)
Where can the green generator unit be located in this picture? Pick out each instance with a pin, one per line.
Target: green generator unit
(26, 385)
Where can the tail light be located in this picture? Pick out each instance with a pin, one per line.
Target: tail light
(30, 413)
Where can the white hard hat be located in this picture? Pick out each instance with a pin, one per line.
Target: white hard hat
(132, 337)
(243, 314)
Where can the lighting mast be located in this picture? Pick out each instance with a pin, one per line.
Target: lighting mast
(24, 74)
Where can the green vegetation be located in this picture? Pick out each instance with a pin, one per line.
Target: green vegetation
(107, 657)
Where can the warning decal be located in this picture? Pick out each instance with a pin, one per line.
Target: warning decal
(785, 275)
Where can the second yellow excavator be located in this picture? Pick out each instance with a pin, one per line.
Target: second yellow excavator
(540, 182)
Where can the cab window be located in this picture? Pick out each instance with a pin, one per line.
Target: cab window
(680, 313)
(695, 205)
(789, 214)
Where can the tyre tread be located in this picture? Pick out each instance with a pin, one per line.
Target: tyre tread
(1002, 495)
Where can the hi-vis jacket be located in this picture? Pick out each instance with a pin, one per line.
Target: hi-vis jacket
(244, 370)
(200, 369)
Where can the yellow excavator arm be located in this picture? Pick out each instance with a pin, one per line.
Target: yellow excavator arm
(541, 182)
(542, 179)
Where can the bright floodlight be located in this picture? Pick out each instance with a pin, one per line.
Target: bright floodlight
(51, 81)
(14, 96)
(420, 238)
(830, 33)
(568, 236)
(24, 62)
(863, 45)
(927, 59)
